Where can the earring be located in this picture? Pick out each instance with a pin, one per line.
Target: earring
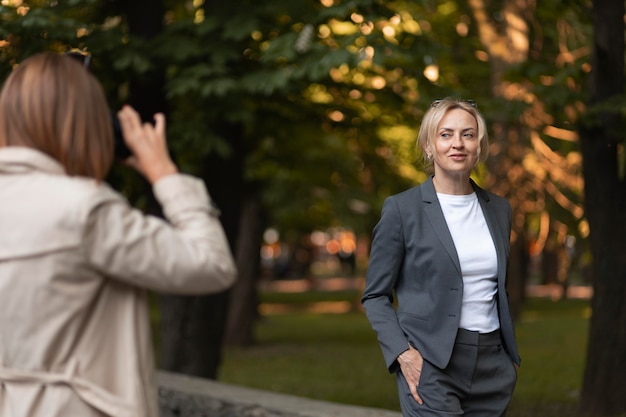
(429, 156)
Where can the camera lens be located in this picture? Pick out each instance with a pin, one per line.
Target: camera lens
(120, 150)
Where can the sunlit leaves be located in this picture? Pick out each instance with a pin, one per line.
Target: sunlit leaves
(402, 152)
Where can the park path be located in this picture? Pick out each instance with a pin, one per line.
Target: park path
(340, 284)
(553, 291)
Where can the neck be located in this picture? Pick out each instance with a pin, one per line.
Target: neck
(455, 186)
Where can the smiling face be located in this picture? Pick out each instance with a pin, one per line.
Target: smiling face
(455, 146)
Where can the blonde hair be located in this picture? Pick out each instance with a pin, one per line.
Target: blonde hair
(432, 118)
(52, 104)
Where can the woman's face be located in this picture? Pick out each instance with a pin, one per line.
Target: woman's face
(455, 146)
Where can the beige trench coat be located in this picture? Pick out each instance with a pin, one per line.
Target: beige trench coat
(75, 261)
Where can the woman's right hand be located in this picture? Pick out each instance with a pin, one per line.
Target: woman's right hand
(411, 363)
(148, 145)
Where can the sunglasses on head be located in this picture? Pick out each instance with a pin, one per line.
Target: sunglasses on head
(435, 103)
(82, 57)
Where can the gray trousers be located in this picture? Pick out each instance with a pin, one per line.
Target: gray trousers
(478, 381)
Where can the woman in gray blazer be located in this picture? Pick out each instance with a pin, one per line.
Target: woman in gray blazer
(442, 249)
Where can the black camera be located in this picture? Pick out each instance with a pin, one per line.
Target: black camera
(121, 151)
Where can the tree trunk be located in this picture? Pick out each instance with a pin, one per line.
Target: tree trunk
(146, 93)
(243, 309)
(238, 202)
(191, 333)
(507, 44)
(605, 200)
(192, 337)
(192, 328)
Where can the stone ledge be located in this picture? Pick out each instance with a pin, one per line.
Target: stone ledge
(186, 396)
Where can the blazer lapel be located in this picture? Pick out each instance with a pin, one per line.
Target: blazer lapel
(433, 212)
(494, 228)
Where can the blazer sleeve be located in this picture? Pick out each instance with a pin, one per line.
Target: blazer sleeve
(187, 254)
(386, 257)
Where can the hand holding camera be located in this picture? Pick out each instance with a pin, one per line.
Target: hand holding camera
(139, 145)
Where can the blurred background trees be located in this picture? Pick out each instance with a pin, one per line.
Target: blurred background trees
(302, 116)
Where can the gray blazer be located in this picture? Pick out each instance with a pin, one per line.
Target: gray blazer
(413, 256)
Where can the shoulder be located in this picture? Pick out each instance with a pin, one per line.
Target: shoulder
(498, 201)
(413, 194)
(491, 198)
(71, 200)
(48, 212)
(83, 193)
(403, 204)
(397, 203)
(495, 204)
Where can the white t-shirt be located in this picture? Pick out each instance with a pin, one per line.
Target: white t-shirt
(479, 262)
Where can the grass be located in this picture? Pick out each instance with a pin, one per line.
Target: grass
(552, 338)
(323, 356)
(335, 357)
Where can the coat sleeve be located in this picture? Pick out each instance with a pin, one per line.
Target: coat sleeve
(386, 257)
(187, 254)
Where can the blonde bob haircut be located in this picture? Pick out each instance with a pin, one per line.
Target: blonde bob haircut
(51, 103)
(432, 118)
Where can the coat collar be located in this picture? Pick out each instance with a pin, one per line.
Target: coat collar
(23, 160)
